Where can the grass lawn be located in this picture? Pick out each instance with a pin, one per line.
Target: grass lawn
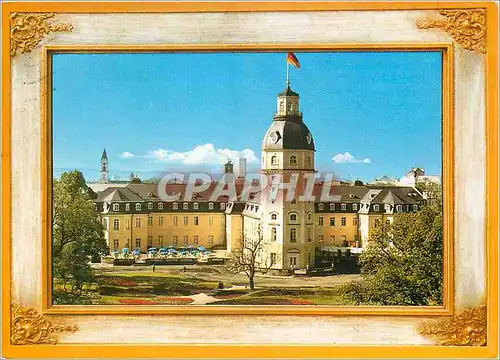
(177, 288)
(277, 296)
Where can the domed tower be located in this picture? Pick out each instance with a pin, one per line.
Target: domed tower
(104, 175)
(288, 151)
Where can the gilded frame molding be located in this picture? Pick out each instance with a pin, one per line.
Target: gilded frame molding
(447, 172)
(466, 325)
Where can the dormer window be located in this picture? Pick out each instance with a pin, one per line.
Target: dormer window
(175, 206)
(185, 206)
(116, 207)
(137, 207)
(343, 207)
(355, 206)
(160, 206)
(320, 206)
(399, 208)
(210, 206)
(223, 206)
(376, 208)
(332, 206)
(150, 206)
(195, 206)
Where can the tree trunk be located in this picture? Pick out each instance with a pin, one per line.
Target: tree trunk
(252, 285)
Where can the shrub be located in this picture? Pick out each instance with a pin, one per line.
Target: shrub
(63, 298)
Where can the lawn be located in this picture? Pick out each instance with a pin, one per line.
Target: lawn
(288, 296)
(178, 288)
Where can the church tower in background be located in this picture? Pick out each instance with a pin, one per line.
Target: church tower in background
(104, 174)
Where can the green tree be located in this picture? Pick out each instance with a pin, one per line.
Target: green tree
(402, 263)
(77, 233)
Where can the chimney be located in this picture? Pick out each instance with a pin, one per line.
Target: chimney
(242, 167)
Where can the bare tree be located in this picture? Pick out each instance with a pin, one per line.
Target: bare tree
(248, 259)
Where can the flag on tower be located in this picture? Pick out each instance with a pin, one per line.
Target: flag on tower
(292, 59)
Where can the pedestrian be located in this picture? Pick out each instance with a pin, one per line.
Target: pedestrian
(185, 269)
(153, 267)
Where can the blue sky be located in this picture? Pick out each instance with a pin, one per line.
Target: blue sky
(159, 112)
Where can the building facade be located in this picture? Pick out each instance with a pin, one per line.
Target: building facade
(291, 230)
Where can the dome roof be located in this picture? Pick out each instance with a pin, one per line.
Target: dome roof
(288, 134)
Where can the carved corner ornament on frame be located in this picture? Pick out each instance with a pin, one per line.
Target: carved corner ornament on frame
(29, 327)
(467, 27)
(467, 328)
(28, 29)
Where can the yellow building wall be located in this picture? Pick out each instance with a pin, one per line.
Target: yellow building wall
(209, 232)
(333, 235)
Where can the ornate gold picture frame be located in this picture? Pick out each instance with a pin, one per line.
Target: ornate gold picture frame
(466, 34)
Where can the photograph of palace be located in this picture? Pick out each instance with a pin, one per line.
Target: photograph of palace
(294, 221)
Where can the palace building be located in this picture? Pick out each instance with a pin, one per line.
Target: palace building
(292, 231)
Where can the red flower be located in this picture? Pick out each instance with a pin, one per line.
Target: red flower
(138, 302)
(301, 302)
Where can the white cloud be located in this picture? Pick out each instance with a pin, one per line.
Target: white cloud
(127, 155)
(203, 154)
(347, 158)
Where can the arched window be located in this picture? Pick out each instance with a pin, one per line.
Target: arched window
(137, 207)
(185, 206)
(308, 161)
(116, 207)
(289, 106)
(274, 234)
(274, 216)
(332, 206)
(309, 216)
(274, 160)
(293, 235)
(293, 160)
(116, 224)
(320, 206)
(175, 206)
(355, 206)
(150, 206)
(343, 206)
(195, 206)
(160, 206)
(293, 217)
(210, 206)
(127, 207)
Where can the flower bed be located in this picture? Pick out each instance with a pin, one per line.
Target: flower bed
(301, 302)
(138, 302)
(118, 281)
(175, 300)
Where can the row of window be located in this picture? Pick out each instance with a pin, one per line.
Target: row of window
(293, 217)
(292, 160)
(376, 207)
(342, 206)
(343, 221)
(175, 222)
(160, 242)
(331, 239)
(159, 206)
(293, 234)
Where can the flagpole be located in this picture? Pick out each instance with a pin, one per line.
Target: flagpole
(287, 74)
